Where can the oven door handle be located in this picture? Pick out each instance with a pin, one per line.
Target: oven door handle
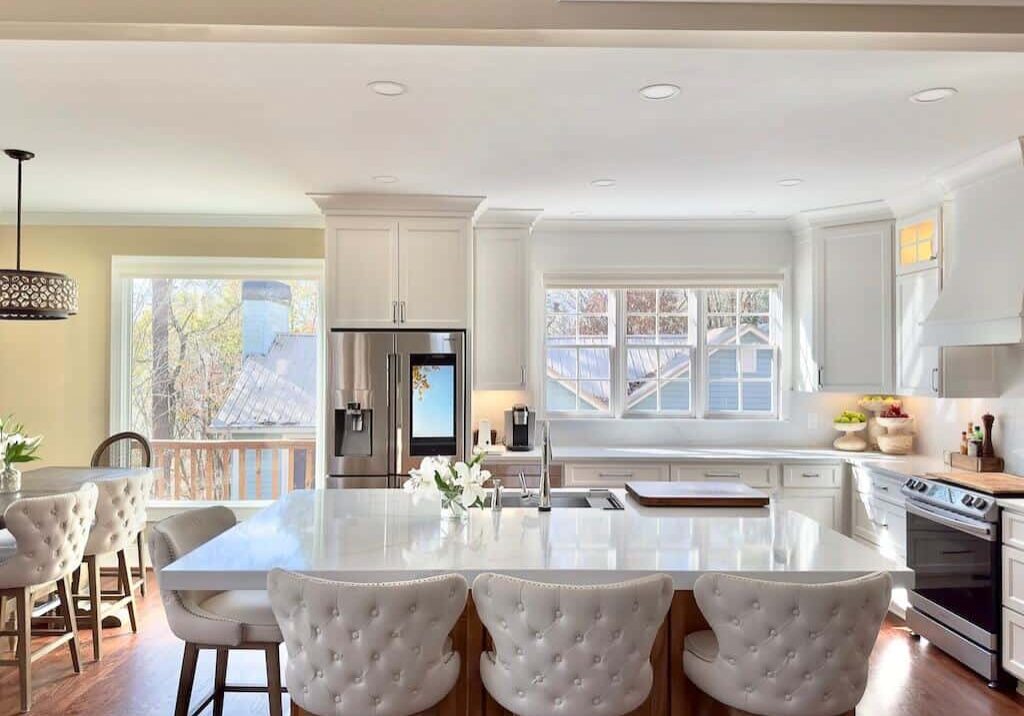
(974, 528)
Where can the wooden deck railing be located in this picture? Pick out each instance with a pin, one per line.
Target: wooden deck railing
(231, 469)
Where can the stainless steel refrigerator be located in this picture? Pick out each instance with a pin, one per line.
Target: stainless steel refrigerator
(394, 397)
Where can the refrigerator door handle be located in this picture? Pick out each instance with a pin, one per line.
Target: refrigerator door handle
(392, 411)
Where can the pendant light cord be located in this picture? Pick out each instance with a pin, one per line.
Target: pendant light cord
(18, 235)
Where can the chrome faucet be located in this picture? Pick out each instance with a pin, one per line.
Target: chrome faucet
(524, 489)
(544, 495)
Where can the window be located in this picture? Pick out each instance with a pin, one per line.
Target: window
(917, 242)
(215, 362)
(673, 351)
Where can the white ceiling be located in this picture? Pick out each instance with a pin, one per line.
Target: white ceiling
(250, 129)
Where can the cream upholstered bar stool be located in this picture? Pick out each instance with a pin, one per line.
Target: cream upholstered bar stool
(50, 534)
(358, 649)
(785, 649)
(129, 449)
(560, 649)
(221, 621)
(120, 505)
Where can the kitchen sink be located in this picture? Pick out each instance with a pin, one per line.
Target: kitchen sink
(579, 499)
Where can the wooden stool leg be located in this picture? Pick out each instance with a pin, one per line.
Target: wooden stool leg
(95, 604)
(188, 675)
(274, 678)
(220, 678)
(140, 544)
(67, 606)
(7, 622)
(125, 578)
(23, 600)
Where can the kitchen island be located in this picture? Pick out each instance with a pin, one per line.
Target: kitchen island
(386, 535)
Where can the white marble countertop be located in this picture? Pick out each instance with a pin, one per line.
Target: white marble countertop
(1014, 504)
(731, 454)
(504, 455)
(908, 466)
(387, 535)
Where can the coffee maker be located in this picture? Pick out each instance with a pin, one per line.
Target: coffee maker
(519, 424)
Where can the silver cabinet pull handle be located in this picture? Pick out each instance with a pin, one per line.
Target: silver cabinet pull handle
(394, 311)
(402, 309)
(615, 474)
(810, 474)
(733, 475)
(522, 375)
(935, 380)
(820, 383)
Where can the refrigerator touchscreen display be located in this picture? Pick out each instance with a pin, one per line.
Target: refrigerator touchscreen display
(432, 400)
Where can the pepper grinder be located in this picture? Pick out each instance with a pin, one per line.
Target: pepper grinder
(987, 449)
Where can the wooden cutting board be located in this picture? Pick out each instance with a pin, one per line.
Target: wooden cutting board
(696, 494)
(992, 483)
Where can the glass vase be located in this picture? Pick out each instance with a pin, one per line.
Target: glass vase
(10, 479)
(452, 509)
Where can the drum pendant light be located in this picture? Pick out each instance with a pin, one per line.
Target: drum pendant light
(34, 295)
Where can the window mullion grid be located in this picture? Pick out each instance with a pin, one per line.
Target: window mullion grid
(700, 387)
(617, 390)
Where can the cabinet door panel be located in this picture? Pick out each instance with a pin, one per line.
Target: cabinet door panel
(613, 474)
(917, 366)
(363, 278)
(822, 506)
(433, 273)
(500, 309)
(854, 321)
(759, 476)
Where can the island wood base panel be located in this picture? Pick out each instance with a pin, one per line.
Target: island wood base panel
(671, 695)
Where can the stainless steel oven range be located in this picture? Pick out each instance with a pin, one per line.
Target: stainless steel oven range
(953, 546)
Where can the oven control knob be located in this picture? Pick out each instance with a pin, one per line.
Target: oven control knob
(912, 484)
(967, 500)
(921, 486)
(980, 504)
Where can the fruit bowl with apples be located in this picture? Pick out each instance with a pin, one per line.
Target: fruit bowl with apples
(850, 423)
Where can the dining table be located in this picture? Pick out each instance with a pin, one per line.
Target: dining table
(55, 480)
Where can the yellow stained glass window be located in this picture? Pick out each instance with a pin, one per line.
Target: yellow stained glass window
(916, 243)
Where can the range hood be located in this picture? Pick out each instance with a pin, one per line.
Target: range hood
(982, 298)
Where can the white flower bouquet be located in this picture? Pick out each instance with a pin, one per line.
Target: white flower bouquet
(459, 485)
(15, 448)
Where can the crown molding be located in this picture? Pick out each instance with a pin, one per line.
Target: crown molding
(398, 204)
(704, 225)
(841, 214)
(256, 221)
(508, 218)
(995, 161)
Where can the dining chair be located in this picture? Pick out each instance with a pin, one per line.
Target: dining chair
(777, 649)
(128, 449)
(50, 533)
(120, 506)
(222, 621)
(356, 649)
(565, 649)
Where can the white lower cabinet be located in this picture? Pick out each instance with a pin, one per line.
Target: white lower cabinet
(824, 506)
(1013, 643)
(878, 516)
(1013, 594)
(613, 474)
(754, 475)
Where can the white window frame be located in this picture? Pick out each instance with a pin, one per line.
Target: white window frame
(125, 268)
(775, 282)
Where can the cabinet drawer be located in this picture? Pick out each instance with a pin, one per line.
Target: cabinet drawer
(875, 483)
(881, 524)
(1013, 643)
(753, 475)
(1013, 579)
(1013, 529)
(811, 475)
(613, 474)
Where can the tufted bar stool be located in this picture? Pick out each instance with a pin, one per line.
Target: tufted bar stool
(50, 534)
(786, 649)
(120, 505)
(221, 621)
(359, 649)
(560, 650)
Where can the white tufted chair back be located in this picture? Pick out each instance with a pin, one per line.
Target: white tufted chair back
(562, 650)
(173, 538)
(356, 649)
(787, 649)
(120, 513)
(50, 534)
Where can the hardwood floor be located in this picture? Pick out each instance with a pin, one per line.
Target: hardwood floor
(139, 676)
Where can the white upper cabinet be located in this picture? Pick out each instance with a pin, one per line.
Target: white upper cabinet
(853, 307)
(919, 242)
(398, 261)
(433, 273)
(362, 271)
(500, 305)
(917, 366)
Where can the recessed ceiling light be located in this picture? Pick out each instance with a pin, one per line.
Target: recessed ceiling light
(790, 182)
(933, 94)
(385, 179)
(603, 182)
(659, 91)
(387, 88)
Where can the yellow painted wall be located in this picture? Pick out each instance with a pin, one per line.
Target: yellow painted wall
(55, 375)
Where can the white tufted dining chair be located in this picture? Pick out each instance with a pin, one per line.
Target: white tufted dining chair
(222, 621)
(50, 534)
(356, 649)
(120, 506)
(786, 649)
(562, 649)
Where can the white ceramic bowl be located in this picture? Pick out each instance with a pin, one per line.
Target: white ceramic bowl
(849, 427)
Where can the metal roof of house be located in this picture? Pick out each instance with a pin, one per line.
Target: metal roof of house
(275, 390)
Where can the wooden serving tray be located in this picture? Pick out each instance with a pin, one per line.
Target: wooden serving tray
(696, 494)
(976, 464)
(992, 483)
